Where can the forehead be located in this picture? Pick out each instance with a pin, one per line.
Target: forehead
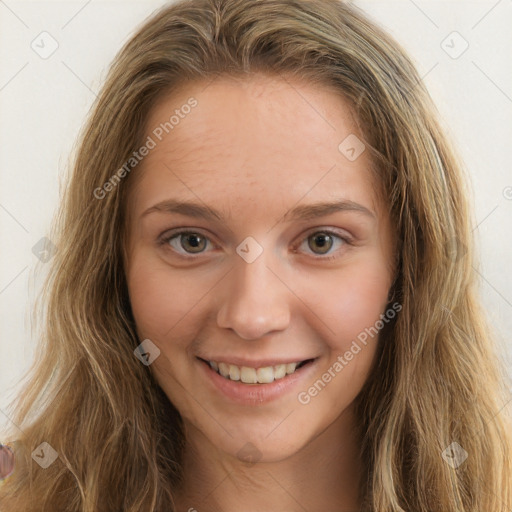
(263, 137)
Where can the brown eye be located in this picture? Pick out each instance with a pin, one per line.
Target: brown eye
(185, 244)
(192, 242)
(323, 242)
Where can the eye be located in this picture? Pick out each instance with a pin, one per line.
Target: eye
(190, 241)
(321, 242)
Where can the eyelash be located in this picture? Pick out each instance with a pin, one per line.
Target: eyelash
(164, 241)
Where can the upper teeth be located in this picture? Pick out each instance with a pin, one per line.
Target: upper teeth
(250, 375)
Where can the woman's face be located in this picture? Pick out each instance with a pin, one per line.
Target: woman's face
(273, 277)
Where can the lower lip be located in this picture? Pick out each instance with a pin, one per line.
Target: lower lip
(256, 394)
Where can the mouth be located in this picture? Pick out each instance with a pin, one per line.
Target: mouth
(251, 376)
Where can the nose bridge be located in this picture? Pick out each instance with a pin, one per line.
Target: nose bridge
(254, 301)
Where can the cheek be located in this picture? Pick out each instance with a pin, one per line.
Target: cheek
(348, 301)
(342, 302)
(351, 305)
(163, 300)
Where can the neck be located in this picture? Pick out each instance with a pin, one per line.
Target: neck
(324, 475)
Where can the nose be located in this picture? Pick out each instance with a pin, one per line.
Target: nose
(255, 301)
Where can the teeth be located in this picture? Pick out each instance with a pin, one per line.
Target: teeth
(248, 375)
(265, 375)
(279, 371)
(290, 368)
(224, 369)
(234, 372)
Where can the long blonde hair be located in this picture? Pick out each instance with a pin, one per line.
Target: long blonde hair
(437, 378)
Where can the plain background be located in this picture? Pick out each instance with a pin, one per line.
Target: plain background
(44, 102)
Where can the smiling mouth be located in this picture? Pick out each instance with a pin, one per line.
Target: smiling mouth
(248, 375)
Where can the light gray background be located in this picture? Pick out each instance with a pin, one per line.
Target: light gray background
(43, 103)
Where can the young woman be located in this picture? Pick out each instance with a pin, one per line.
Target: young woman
(201, 352)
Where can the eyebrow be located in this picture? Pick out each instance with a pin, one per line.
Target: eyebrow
(301, 212)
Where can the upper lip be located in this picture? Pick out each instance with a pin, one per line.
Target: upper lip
(254, 363)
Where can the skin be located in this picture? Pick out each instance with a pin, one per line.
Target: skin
(6, 462)
(254, 149)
